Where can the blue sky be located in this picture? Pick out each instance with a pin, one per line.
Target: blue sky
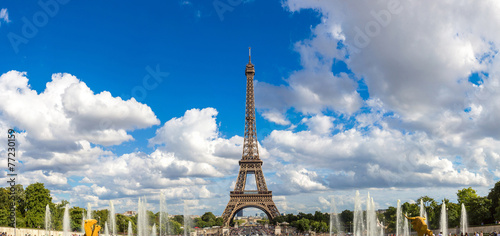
(349, 95)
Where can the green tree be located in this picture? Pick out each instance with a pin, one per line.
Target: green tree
(208, 216)
(454, 211)
(466, 195)
(102, 217)
(122, 223)
(494, 197)
(390, 219)
(478, 208)
(219, 221)
(4, 207)
(200, 223)
(410, 209)
(302, 225)
(179, 219)
(37, 197)
(347, 217)
(76, 217)
(176, 227)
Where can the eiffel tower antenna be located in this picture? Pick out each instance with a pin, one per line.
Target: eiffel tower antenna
(250, 163)
(249, 55)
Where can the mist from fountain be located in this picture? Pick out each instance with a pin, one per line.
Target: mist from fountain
(369, 226)
(66, 221)
(106, 229)
(426, 218)
(48, 220)
(142, 218)
(422, 208)
(381, 229)
(406, 228)
(153, 231)
(89, 211)
(186, 219)
(129, 230)
(443, 223)
(334, 219)
(112, 218)
(464, 225)
(399, 223)
(163, 216)
(358, 216)
(83, 222)
(371, 217)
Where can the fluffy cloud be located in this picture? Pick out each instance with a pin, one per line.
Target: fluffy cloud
(417, 65)
(309, 92)
(380, 158)
(68, 110)
(195, 138)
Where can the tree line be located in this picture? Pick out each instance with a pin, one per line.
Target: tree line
(31, 202)
(480, 210)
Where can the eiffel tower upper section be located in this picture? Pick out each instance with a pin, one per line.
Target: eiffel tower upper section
(250, 144)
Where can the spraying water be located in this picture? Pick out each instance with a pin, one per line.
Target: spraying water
(153, 231)
(112, 218)
(48, 220)
(163, 216)
(89, 211)
(464, 226)
(426, 218)
(186, 220)
(142, 219)
(406, 229)
(381, 229)
(444, 220)
(334, 218)
(358, 216)
(83, 222)
(398, 219)
(106, 229)
(66, 220)
(129, 230)
(371, 217)
(422, 208)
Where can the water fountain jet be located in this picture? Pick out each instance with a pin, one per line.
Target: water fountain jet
(129, 230)
(112, 218)
(106, 229)
(89, 211)
(444, 220)
(464, 225)
(334, 218)
(66, 220)
(48, 220)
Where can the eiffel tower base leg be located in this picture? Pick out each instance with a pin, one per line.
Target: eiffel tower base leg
(239, 201)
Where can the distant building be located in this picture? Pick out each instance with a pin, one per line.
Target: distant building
(240, 213)
(381, 211)
(130, 213)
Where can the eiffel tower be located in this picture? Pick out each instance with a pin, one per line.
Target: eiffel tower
(250, 163)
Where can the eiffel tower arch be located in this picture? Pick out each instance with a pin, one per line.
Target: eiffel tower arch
(250, 163)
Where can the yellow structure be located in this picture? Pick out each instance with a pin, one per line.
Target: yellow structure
(90, 228)
(420, 226)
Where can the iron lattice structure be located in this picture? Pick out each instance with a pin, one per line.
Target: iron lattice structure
(250, 163)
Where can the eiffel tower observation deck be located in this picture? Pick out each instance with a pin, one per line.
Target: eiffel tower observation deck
(250, 163)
